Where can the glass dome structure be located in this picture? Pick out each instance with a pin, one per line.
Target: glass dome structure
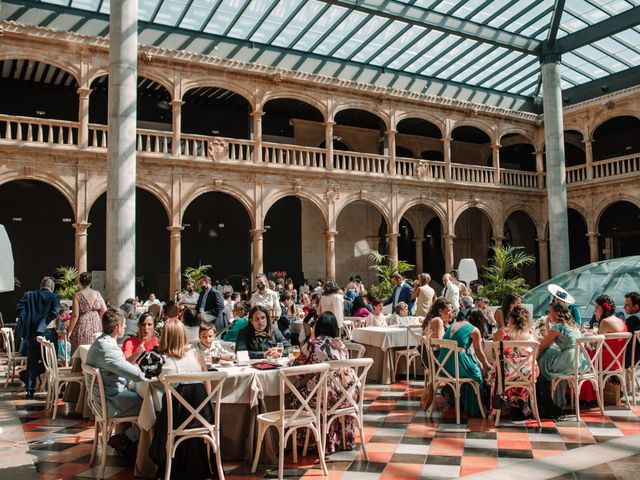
(615, 277)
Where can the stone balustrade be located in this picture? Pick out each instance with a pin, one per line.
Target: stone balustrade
(61, 133)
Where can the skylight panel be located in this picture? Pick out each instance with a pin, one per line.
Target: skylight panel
(249, 18)
(299, 23)
(275, 20)
(467, 62)
(170, 11)
(398, 45)
(332, 19)
(91, 5)
(379, 41)
(352, 42)
(197, 14)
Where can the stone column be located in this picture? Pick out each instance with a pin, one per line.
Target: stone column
(257, 266)
(176, 148)
(83, 117)
(328, 142)
(175, 259)
(497, 241)
(588, 153)
(81, 245)
(391, 142)
(594, 254)
(448, 252)
(556, 174)
(446, 153)
(331, 254)
(121, 174)
(496, 163)
(419, 258)
(540, 168)
(257, 135)
(543, 259)
(393, 247)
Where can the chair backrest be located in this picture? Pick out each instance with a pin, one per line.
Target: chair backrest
(520, 358)
(155, 309)
(635, 347)
(171, 382)
(591, 343)
(355, 349)
(9, 342)
(617, 360)
(49, 357)
(438, 371)
(93, 379)
(350, 398)
(317, 395)
(408, 320)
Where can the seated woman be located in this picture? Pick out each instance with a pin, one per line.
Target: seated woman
(134, 347)
(502, 313)
(325, 346)
(604, 310)
(478, 319)
(470, 365)
(260, 338)
(557, 350)
(191, 324)
(401, 310)
(359, 307)
(208, 347)
(191, 459)
(518, 328)
(376, 318)
(438, 318)
(287, 317)
(240, 321)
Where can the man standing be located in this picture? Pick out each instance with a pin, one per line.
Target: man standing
(632, 309)
(402, 292)
(451, 292)
(266, 297)
(210, 304)
(36, 310)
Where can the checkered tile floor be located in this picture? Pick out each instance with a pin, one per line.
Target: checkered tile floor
(402, 442)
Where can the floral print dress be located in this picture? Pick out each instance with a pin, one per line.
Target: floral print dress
(323, 349)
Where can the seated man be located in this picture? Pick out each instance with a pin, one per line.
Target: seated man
(106, 355)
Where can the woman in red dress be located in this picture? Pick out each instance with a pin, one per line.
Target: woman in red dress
(134, 347)
(605, 310)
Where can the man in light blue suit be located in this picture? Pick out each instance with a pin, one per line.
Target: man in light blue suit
(402, 292)
(116, 371)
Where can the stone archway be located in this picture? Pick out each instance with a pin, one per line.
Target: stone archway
(520, 231)
(473, 237)
(619, 229)
(152, 243)
(39, 222)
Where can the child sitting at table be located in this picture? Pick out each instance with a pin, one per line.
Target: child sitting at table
(208, 346)
(62, 322)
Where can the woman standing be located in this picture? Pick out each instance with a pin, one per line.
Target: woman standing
(145, 341)
(423, 295)
(332, 301)
(87, 310)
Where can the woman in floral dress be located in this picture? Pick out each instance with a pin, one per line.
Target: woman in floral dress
(325, 346)
(518, 329)
(87, 310)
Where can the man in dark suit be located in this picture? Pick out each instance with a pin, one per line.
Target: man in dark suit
(36, 310)
(632, 309)
(402, 292)
(210, 304)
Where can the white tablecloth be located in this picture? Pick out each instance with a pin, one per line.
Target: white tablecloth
(383, 337)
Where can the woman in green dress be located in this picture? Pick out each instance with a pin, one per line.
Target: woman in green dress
(470, 365)
(558, 349)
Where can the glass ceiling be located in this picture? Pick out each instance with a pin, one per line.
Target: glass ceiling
(490, 46)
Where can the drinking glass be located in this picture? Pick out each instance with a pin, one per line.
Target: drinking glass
(280, 348)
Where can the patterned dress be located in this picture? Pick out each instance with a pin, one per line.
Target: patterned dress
(89, 322)
(318, 350)
(514, 395)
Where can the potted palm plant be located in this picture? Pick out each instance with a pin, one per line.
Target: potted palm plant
(66, 283)
(503, 276)
(192, 274)
(386, 269)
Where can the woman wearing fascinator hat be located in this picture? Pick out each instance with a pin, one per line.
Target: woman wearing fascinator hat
(560, 294)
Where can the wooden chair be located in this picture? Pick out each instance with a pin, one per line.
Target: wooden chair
(590, 373)
(440, 375)
(103, 424)
(615, 368)
(346, 406)
(207, 431)
(411, 354)
(287, 421)
(633, 382)
(515, 374)
(14, 360)
(356, 350)
(56, 377)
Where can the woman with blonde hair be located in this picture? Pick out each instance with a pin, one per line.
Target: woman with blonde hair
(191, 459)
(423, 295)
